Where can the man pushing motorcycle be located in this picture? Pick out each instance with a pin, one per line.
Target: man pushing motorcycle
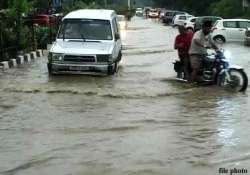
(201, 41)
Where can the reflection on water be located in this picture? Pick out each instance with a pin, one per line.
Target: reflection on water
(123, 34)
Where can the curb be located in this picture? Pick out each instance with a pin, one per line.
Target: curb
(27, 57)
(21, 59)
(5, 64)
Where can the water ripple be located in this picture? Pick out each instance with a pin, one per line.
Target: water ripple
(240, 158)
(27, 165)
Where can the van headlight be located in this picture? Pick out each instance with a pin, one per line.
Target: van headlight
(104, 58)
(56, 56)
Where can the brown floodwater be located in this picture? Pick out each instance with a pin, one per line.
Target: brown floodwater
(137, 122)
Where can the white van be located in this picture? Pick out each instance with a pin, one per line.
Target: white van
(87, 41)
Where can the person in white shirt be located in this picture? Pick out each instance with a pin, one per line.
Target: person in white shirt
(201, 41)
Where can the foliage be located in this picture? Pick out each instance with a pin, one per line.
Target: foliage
(74, 6)
(227, 8)
(42, 4)
(17, 9)
(42, 36)
(3, 4)
(224, 8)
(246, 13)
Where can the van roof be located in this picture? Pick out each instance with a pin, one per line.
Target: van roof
(90, 14)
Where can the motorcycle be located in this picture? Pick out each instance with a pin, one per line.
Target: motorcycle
(216, 69)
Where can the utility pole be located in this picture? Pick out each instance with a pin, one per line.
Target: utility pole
(129, 5)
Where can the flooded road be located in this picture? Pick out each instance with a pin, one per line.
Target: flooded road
(138, 122)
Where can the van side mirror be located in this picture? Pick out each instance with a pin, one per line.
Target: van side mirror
(117, 36)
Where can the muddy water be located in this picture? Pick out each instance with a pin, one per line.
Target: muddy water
(139, 121)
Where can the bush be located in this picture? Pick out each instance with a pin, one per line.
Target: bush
(227, 8)
(44, 36)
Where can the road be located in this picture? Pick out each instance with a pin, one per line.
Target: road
(139, 121)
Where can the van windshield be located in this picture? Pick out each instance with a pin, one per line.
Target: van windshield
(90, 29)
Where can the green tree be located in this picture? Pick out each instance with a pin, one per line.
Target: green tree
(18, 8)
(42, 4)
(227, 8)
(3, 4)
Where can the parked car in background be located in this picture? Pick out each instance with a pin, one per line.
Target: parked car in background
(170, 14)
(138, 12)
(122, 22)
(44, 20)
(230, 30)
(189, 23)
(199, 21)
(247, 37)
(146, 11)
(180, 20)
(162, 13)
(88, 41)
(153, 13)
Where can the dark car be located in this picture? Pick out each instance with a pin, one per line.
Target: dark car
(199, 21)
(170, 14)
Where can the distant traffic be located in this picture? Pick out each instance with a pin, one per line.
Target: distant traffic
(224, 30)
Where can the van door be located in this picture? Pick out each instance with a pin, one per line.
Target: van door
(117, 39)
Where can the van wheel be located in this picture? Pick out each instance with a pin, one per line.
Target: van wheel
(112, 70)
(219, 39)
(49, 69)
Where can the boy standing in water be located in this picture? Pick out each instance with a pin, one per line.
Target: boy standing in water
(182, 44)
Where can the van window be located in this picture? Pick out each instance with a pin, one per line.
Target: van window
(114, 22)
(230, 24)
(244, 24)
(182, 17)
(91, 29)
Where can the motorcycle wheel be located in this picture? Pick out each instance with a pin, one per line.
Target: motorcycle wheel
(239, 80)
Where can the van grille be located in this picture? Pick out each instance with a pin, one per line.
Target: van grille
(102, 58)
(79, 59)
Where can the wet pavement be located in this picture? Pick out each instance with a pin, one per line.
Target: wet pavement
(139, 121)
